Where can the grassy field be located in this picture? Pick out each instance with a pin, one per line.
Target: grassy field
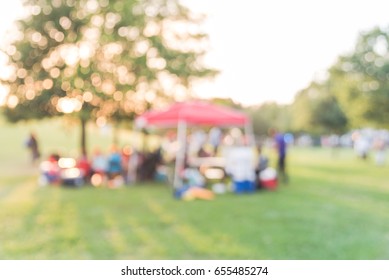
(335, 207)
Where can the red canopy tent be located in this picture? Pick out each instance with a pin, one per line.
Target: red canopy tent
(193, 113)
(183, 114)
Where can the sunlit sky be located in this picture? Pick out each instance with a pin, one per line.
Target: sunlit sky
(269, 50)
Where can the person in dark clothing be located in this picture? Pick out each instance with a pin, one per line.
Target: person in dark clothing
(262, 164)
(281, 146)
(32, 144)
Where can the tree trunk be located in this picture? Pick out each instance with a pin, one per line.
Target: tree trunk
(83, 137)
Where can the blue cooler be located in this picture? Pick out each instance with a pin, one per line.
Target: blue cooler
(245, 186)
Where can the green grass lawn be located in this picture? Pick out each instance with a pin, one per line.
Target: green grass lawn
(335, 207)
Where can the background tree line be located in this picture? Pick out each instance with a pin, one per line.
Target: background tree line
(354, 94)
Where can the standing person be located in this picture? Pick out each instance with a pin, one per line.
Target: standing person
(215, 138)
(280, 143)
(32, 144)
(379, 146)
(133, 166)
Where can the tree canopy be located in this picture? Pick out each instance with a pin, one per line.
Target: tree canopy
(102, 59)
(360, 80)
(317, 110)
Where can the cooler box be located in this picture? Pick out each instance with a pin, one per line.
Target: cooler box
(269, 184)
(268, 178)
(244, 186)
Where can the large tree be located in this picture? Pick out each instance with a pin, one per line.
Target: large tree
(316, 110)
(101, 59)
(328, 117)
(360, 80)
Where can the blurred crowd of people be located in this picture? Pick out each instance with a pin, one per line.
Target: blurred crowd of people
(115, 168)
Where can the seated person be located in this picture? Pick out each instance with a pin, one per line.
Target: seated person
(194, 186)
(84, 166)
(203, 153)
(263, 163)
(51, 172)
(114, 167)
(99, 162)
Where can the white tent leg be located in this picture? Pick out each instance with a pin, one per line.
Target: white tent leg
(248, 131)
(180, 157)
(133, 164)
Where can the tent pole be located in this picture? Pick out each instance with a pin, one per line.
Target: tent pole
(249, 133)
(133, 171)
(180, 157)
